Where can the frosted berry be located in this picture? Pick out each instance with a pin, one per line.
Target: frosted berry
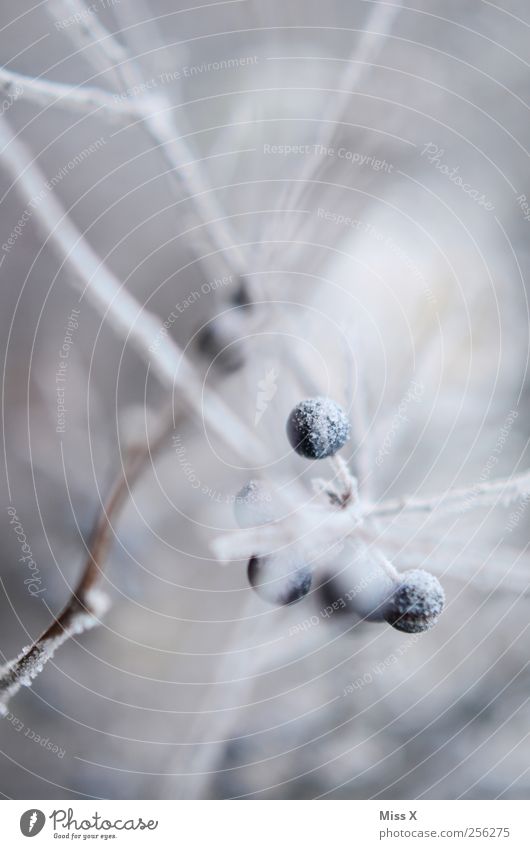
(279, 579)
(416, 603)
(318, 428)
(253, 505)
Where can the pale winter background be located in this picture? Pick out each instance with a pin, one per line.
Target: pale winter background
(363, 169)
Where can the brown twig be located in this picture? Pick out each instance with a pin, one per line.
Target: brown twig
(87, 604)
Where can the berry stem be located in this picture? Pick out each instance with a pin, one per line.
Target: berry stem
(345, 483)
(386, 565)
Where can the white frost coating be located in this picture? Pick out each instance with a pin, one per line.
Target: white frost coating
(313, 529)
(22, 670)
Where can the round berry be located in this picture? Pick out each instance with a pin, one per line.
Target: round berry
(279, 579)
(253, 505)
(358, 586)
(318, 428)
(416, 603)
(221, 342)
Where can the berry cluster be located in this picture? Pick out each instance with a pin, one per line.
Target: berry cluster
(412, 601)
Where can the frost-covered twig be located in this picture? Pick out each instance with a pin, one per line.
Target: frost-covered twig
(100, 48)
(344, 482)
(499, 492)
(82, 613)
(84, 99)
(105, 53)
(87, 603)
(116, 305)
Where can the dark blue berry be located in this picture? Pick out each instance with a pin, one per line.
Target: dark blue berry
(220, 341)
(279, 579)
(241, 296)
(318, 428)
(417, 602)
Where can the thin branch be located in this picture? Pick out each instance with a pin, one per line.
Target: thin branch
(313, 530)
(103, 51)
(107, 54)
(114, 303)
(458, 556)
(501, 567)
(378, 27)
(358, 406)
(84, 99)
(132, 322)
(87, 604)
(500, 492)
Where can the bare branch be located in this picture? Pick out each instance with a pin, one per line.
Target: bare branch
(106, 54)
(499, 568)
(114, 303)
(315, 530)
(378, 27)
(495, 493)
(87, 603)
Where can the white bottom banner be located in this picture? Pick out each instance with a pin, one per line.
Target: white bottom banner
(267, 824)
